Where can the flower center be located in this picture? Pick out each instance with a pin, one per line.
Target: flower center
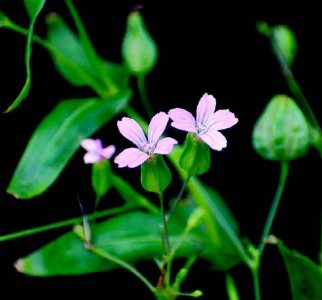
(201, 128)
(147, 148)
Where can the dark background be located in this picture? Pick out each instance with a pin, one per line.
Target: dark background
(203, 47)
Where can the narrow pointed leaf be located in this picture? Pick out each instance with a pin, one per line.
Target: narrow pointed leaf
(131, 196)
(305, 276)
(33, 8)
(74, 64)
(131, 237)
(101, 178)
(225, 248)
(57, 138)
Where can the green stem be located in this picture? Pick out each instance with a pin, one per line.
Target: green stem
(183, 187)
(143, 94)
(255, 274)
(64, 223)
(123, 264)
(293, 85)
(172, 254)
(272, 213)
(165, 233)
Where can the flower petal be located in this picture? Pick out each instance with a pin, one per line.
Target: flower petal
(214, 139)
(131, 157)
(222, 119)
(91, 157)
(157, 126)
(91, 145)
(183, 120)
(205, 108)
(108, 151)
(131, 130)
(165, 146)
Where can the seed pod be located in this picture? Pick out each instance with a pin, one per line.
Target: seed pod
(282, 131)
(139, 50)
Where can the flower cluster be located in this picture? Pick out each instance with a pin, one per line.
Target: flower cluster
(205, 126)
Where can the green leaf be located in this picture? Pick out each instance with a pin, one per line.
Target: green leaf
(305, 276)
(57, 138)
(195, 157)
(72, 61)
(75, 65)
(101, 178)
(155, 175)
(33, 8)
(231, 288)
(224, 248)
(131, 237)
(131, 196)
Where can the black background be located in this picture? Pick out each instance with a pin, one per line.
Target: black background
(204, 47)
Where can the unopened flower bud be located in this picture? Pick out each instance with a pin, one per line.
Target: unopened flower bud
(282, 132)
(139, 50)
(284, 40)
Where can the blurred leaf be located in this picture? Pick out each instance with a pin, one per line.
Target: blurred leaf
(74, 64)
(57, 138)
(95, 60)
(224, 248)
(130, 195)
(231, 288)
(33, 8)
(131, 237)
(305, 276)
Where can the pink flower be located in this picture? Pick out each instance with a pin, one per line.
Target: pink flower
(208, 122)
(95, 151)
(133, 157)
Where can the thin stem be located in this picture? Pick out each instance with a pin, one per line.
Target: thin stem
(272, 213)
(257, 292)
(172, 253)
(64, 223)
(183, 187)
(123, 264)
(143, 94)
(165, 237)
(44, 43)
(294, 86)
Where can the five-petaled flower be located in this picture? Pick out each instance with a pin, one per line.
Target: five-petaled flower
(207, 123)
(95, 151)
(146, 148)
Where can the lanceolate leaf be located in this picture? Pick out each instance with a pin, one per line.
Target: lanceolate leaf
(131, 237)
(57, 138)
(305, 276)
(225, 248)
(74, 64)
(33, 8)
